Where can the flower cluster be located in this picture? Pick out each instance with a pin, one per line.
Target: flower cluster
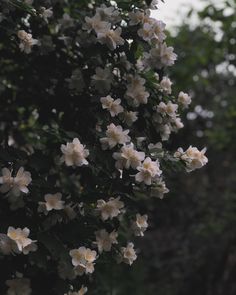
(83, 260)
(102, 24)
(17, 241)
(26, 41)
(192, 157)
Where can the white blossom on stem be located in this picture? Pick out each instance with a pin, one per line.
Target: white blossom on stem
(161, 56)
(110, 14)
(115, 135)
(52, 202)
(138, 16)
(140, 225)
(112, 38)
(165, 85)
(110, 209)
(193, 158)
(15, 185)
(27, 41)
(130, 117)
(152, 30)
(128, 157)
(136, 92)
(95, 23)
(46, 13)
(184, 99)
(83, 260)
(74, 153)
(128, 254)
(20, 237)
(169, 109)
(148, 171)
(112, 105)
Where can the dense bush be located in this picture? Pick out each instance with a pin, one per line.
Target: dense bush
(87, 112)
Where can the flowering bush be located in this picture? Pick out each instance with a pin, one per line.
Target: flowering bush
(88, 112)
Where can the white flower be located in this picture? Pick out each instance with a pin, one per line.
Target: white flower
(140, 97)
(110, 209)
(139, 17)
(110, 14)
(136, 81)
(16, 184)
(136, 92)
(46, 13)
(21, 181)
(146, 32)
(6, 180)
(167, 55)
(193, 158)
(113, 106)
(165, 85)
(53, 202)
(148, 171)
(152, 30)
(129, 254)
(130, 117)
(102, 79)
(95, 23)
(169, 109)
(19, 286)
(159, 189)
(82, 291)
(128, 157)
(104, 240)
(20, 237)
(161, 56)
(158, 30)
(111, 37)
(83, 260)
(74, 153)
(178, 123)
(184, 99)
(115, 135)
(140, 225)
(27, 42)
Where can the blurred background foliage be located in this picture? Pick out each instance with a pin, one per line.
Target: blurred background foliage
(191, 247)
